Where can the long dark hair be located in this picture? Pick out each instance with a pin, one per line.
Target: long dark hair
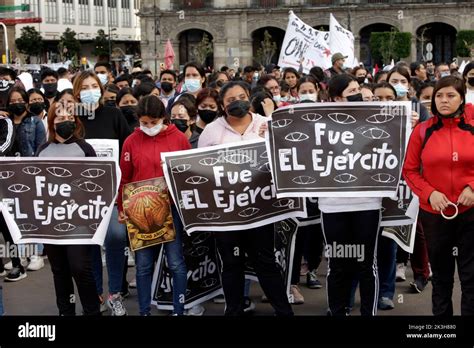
(19, 90)
(152, 107)
(244, 85)
(449, 81)
(338, 84)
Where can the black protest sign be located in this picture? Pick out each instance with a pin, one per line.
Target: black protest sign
(203, 267)
(314, 214)
(338, 149)
(57, 201)
(226, 187)
(394, 209)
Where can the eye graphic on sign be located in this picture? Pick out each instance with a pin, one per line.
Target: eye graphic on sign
(311, 117)
(380, 118)
(296, 137)
(237, 158)
(93, 173)
(64, 227)
(6, 174)
(284, 203)
(27, 227)
(31, 170)
(18, 188)
(59, 172)
(345, 178)
(196, 180)
(94, 226)
(264, 167)
(383, 178)
(285, 226)
(372, 132)
(264, 155)
(208, 216)
(282, 123)
(208, 161)
(250, 211)
(208, 283)
(197, 251)
(342, 118)
(304, 180)
(87, 185)
(181, 168)
(201, 237)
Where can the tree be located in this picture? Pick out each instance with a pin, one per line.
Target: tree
(203, 49)
(101, 45)
(386, 46)
(267, 50)
(465, 43)
(69, 46)
(30, 42)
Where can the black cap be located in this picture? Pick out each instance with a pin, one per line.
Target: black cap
(270, 67)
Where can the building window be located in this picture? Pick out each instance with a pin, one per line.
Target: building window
(126, 22)
(84, 12)
(99, 12)
(33, 6)
(112, 8)
(69, 16)
(51, 11)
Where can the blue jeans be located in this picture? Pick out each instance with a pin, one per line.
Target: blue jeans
(386, 261)
(115, 244)
(145, 265)
(1, 301)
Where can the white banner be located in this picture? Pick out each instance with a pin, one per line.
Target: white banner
(341, 41)
(304, 46)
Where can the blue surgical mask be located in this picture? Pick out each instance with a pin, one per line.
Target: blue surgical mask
(192, 85)
(277, 98)
(90, 96)
(445, 73)
(311, 97)
(401, 90)
(103, 79)
(284, 99)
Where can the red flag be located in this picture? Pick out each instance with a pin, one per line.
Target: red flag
(376, 69)
(169, 55)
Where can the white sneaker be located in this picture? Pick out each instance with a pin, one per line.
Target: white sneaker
(196, 311)
(130, 261)
(36, 263)
(8, 266)
(401, 270)
(3, 274)
(132, 284)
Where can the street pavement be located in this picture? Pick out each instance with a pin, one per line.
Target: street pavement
(35, 295)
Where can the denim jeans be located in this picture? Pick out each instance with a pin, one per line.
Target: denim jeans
(145, 265)
(1, 301)
(387, 264)
(115, 254)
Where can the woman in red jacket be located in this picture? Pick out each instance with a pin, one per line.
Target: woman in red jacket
(141, 160)
(439, 168)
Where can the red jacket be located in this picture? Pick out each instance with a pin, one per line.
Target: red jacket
(445, 163)
(141, 155)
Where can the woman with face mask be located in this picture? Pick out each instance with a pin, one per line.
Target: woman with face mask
(347, 221)
(399, 78)
(308, 89)
(127, 103)
(70, 262)
(183, 115)
(105, 122)
(468, 76)
(38, 105)
(206, 103)
(110, 95)
(438, 169)
(141, 160)
(238, 124)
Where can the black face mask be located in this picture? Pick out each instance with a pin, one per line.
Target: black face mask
(17, 109)
(361, 80)
(65, 129)
(50, 89)
(182, 125)
(471, 81)
(167, 86)
(238, 108)
(37, 108)
(130, 112)
(110, 103)
(355, 98)
(207, 116)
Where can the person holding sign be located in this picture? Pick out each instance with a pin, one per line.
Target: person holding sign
(239, 124)
(68, 262)
(141, 160)
(439, 169)
(350, 223)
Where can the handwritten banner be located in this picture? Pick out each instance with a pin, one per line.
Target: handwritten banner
(226, 187)
(338, 149)
(57, 200)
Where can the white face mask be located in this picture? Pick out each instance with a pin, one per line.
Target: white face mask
(103, 79)
(153, 130)
(311, 97)
(277, 98)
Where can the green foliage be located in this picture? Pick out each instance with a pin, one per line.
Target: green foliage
(203, 49)
(267, 50)
(465, 43)
(390, 45)
(101, 44)
(69, 46)
(30, 42)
